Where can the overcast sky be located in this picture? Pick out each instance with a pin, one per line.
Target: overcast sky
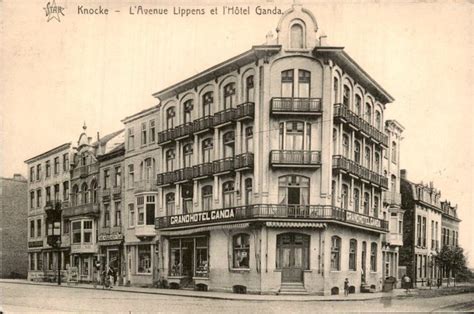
(99, 69)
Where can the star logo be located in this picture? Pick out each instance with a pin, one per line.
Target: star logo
(52, 11)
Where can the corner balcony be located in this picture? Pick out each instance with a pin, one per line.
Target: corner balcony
(295, 158)
(84, 171)
(345, 115)
(342, 163)
(274, 213)
(145, 186)
(295, 106)
(392, 198)
(395, 239)
(88, 209)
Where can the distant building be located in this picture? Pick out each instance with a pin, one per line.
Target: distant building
(449, 228)
(13, 234)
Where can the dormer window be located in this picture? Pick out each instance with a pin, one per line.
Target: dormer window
(297, 36)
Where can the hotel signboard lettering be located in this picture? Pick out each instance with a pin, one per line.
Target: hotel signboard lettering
(363, 220)
(202, 217)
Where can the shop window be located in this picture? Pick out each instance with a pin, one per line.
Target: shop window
(249, 89)
(287, 83)
(373, 257)
(188, 109)
(207, 149)
(170, 115)
(202, 257)
(228, 194)
(144, 259)
(241, 250)
(297, 36)
(335, 253)
(229, 96)
(304, 84)
(293, 190)
(176, 267)
(352, 254)
(207, 100)
(170, 204)
(207, 198)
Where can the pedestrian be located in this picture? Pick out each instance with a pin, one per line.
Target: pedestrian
(346, 287)
(407, 282)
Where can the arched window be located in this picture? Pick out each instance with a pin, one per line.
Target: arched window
(393, 183)
(377, 163)
(353, 254)
(206, 198)
(358, 105)
(75, 196)
(188, 155)
(368, 112)
(85, 193)
(241, 250)
(228, 194)
(335, 253)
(378, 120)
(287, 77)
(170, 204)
(170, 155)
(333, 193)
(94, 191)
(334, 141)
(356, 200)
(394, 152)
(345, 145)
(295, 135)
(297, 36)
(376, 206)
(229, 96)
(357, 150)
(336, 90)
(248, 191)
(366, 203)
(346, 96)
(368, 157)
(345, 196)
(170, 115)
(249, 139)
(207, 146)
(304, 84)
(187, 110)
(207, 100)
(293, 190)
(249, 89)
(373, 256)
(229, 144)
(187, 198)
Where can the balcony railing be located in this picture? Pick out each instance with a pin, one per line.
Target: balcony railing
(283, 158)
(223, 165)
(117, 192)
(341, 162)
(244, 161)
(392, 198)
(84, 171)
(166, 136)
(183, 130)
(224, 116)
(203, 170)
(146, 186)
(344, 113)
(245, 111)
(292, 105)
(82, 209)
(270, 211)
(204, 123)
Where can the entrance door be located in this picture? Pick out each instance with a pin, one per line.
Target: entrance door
(293, 256)
(187, 246)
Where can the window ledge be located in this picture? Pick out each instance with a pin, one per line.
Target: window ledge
(143, 274)
(334, 271)
(240, 270)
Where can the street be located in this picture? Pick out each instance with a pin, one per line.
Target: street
(36, 298)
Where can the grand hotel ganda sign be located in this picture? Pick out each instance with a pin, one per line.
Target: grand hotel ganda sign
(363, 220)
(203, 217)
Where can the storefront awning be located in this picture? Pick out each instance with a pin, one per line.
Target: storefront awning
(290, 224)
(203, 229)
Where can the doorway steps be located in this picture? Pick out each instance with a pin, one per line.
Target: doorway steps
(292, 288)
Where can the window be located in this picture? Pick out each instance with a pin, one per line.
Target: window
(188, 109)
(32, 199)
(131, 139)
(188, 155)
(287, 83)
(39, 200)
(345, 196)
(424, 231)
(373, 257)
(336, 90)
(346, 94)
(364, 260)
(76, 232)
(56, 192)
(366, 203)
(345, 146)
(358, 105)
(297, 36)
(357, 152)
(66, 162)
(170, 114)
(304, 84)
(118, 176)
(85, 194)
(152, 131)
(144, 130)
(368, 112)
(294, 136)
(170, 204)
(249, 139)
(38, 172)
(207, 146)
(206, 198)
(249, 89)
(32, 228)
(146, 209)
(202, 256)
(378, 120)
(241, 250)
(248, 191)
(207, 100)
(368, 159)
(293, 190)
(352, 254)
(170, 155)
(393, 183)
(140, 210)
(335, 253)
(106, 179)
(106, 215)
(56, 165)
(229, 143)
(356, 200)
(131, 176)
(187, 196)
(48, 169)
(48, 194)
(118, 214)
(32, 174)
(66, 190)
(229, 96)
(228, 194)
(87, 231)
(376, 206)
(144, 259)
(131, 213)
(377, 163)
(94, 192)
(394, 152)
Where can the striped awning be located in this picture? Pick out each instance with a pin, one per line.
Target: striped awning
(203, 229)
(291, 224)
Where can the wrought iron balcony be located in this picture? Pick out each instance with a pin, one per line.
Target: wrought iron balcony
(166, 136)
(223, 165)
(392, 198)
(203, 170)
(146, 186)
(343, 113)
(224, 116)
(342, 163)
(84, 171)
(292, 158)
(183, 130)
(203, 124)
(306, 213)
(293, 105)
(245, 111)
(88, 209)
(244, 161)
(184, 174)
(117, 192)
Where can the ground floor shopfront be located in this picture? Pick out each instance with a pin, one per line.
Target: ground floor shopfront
(141, 263)
(268, 257)
(43, 264)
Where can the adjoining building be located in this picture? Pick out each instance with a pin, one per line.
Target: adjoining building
(271, 176)
(449, 230)
(13, 235)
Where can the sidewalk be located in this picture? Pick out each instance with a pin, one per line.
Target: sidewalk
(221, 295)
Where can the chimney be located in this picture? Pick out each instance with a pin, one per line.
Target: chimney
(98, 137)
(403, 174)
(269, 38)
(431, 184)
(323, 40)
(18, 177)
